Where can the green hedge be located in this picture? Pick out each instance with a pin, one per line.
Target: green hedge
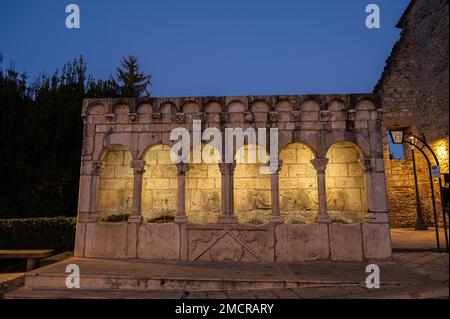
(38, 233)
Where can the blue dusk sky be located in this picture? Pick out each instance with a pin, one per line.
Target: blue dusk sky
(209, 47)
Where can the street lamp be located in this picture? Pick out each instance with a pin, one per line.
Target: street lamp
(396, 136)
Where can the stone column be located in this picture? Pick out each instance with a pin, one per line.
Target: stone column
(320, 164)
(138, 167)
(87, 200)
(276, 217)
(366, 165)
(376, 190)
(181, 205)
(227, 213)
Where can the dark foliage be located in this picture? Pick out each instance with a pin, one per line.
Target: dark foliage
(41, 137)
(38, 233)
(130, 82)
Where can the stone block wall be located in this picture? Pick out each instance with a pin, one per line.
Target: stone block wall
(298, 185)
(414, 95)
(309, 129)
(252, 190)
(159, 196)
(347, 198)
(115, 186)
(203, 188)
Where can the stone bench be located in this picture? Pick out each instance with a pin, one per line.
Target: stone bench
(32, 256)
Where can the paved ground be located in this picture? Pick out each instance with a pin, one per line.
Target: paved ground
(410, 275)
(410, 239)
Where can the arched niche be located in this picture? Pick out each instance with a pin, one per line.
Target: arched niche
(298, 184)
(114, 200)
(252, 189)
(346, 192)
(203, 185)
(160, 186)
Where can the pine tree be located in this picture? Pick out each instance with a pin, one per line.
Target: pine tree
(130, 82)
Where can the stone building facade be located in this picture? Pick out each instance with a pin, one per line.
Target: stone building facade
(326, 199)
(413, 91)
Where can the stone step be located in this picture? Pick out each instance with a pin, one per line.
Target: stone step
(144, 275)
(123, 282)
(29, 293)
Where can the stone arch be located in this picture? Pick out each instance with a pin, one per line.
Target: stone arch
(114, 200)
(121, 112)
(284, 105)
(365, 104)
(346, 191)
(298, 184)
(94, 108)
(203, 186)
(160, 186)
(336, 105)
(260, 106)
(190, 106)
(362, 150)
(252, 190)
(310, 105)
(167, 107)
(144, 111)
(144, 108)
(236, 106)
(213, 107)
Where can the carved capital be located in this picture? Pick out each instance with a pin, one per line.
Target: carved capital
(202, 116)
(248, 117)
(179, 117)
(278, 163)
(227, 168)
(157, 116)
(91, 168)
(110, 117)
(272, 117)
(224, 117)
(182, 168)
(365, 163)
(133, 117)
(296, 116)
(138, 167)
(320, 164)
(325, 115)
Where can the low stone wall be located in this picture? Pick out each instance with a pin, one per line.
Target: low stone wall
(235, 242)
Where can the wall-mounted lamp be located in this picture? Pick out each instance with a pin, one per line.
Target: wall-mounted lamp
(396, 136)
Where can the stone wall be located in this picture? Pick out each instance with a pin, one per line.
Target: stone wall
(252, 201)
(414, 95)
(346, 192)
(310, 131)
(203, 187)
(115, 186)
(159, 197)
(298, 185)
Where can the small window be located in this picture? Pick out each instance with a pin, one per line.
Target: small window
(396, 151)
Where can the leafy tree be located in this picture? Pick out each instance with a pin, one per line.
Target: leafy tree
(41, 134)
(130, 81)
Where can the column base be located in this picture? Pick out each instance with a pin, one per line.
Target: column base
(226, 219)
(180, 219)
(276, 220)
(323, 218)
(137, 219)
